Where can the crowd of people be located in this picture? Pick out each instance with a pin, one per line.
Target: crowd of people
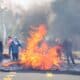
(14, 44)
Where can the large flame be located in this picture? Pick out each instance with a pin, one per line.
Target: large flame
(38, 54)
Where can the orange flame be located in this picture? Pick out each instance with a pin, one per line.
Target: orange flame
(38, 54)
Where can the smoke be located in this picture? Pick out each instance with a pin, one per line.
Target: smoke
(60, 16)
(17, 5)
(67, 19)
(40, 13)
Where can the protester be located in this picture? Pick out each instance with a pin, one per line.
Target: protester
(1, 51)
(14, 48)
(67, 46)
(59, 47)
(8, 43)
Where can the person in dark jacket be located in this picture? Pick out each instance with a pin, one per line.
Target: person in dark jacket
(14, 47)
(1, 51)
(67, 46)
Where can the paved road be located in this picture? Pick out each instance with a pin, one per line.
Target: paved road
(35, 75)
(73, 74)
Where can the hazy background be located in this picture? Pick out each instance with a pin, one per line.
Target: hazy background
(62, 17)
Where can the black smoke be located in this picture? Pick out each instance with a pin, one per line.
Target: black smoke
(66, 23)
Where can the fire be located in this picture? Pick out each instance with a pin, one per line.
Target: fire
(38, 54)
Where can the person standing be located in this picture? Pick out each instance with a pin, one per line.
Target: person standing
(67, 46)
(8, 43)
(14, 48)
(59, 47)
(1, 51)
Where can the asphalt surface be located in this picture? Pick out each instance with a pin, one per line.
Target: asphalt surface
(71, 72)
(39, 75)
(30, 74)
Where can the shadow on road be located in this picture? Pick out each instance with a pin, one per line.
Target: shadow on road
(50, 71)
(44, 71)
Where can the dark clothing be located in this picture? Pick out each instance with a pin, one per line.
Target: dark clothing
(14, 47)
(67, 46)
(15, 56)
(1, 51)
(69, 57)
(1, 47)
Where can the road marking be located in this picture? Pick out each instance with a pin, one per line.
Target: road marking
(10, 76)
(49, 75)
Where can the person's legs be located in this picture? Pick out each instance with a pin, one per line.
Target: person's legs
(13, 56)
(10, 53)
(68, 61)
(16, 56)
(1, 57)
(9, 50)
(67, 57)
(71, 57)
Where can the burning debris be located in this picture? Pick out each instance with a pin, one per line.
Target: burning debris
(38, 55)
